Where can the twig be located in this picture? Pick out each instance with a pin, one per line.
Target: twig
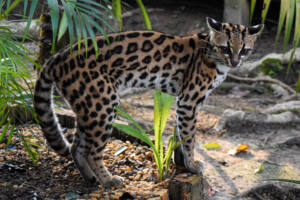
(270, 80)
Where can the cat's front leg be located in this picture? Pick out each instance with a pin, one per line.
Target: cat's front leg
(186, 118)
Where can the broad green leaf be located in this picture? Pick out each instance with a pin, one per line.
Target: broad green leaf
(133, 132)
(284, 6)
(162, 106)
(212, 146)
(122, 112)
(265, 10)
(253, 3)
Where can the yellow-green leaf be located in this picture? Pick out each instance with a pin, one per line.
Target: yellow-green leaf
(284, 6)
(265, 10)
(212, 146)
(253, 3)
(145, 15)
(298, 84)
(117, 11)
(62, 26)
(288, 24)
(259, 169)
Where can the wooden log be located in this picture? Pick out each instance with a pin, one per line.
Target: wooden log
(186, 186)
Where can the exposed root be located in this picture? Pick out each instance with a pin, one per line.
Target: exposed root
(293, 95)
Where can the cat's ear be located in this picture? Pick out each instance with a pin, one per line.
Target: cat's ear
(213, 24)
(255, 30)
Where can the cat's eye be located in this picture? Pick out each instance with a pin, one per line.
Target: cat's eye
(225, 50)
(244, 51)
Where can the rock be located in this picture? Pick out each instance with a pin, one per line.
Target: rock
(18, 27)
(238, 121)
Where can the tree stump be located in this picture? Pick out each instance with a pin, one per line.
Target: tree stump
(186, 186)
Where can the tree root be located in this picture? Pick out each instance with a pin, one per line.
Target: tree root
(293, 95)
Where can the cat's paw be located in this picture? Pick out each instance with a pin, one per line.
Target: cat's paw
(114, 181)
(194, 166)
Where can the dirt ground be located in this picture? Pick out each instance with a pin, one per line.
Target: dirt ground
(226, 176)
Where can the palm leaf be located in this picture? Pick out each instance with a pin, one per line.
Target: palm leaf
(54, 13)
(5, 127)
(63, 26)
(91, 33)
(10, 7)
(69, 13)
(30, 16)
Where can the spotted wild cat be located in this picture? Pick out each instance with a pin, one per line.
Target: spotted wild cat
(187, 67)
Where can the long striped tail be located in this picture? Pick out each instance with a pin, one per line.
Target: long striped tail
(47, 119)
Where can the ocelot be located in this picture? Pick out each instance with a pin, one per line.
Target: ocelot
(187, 67)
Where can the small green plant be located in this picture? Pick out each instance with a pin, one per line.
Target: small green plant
(271, 66)
(162, 106)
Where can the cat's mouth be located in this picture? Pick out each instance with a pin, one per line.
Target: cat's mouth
(235, 64)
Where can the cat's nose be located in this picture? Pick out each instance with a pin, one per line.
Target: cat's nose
(234, 63)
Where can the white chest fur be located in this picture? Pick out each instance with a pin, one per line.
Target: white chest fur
(221, 76)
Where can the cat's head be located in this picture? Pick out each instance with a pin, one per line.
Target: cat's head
(233, 43)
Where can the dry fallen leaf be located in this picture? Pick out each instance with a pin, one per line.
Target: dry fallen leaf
(240, 148)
